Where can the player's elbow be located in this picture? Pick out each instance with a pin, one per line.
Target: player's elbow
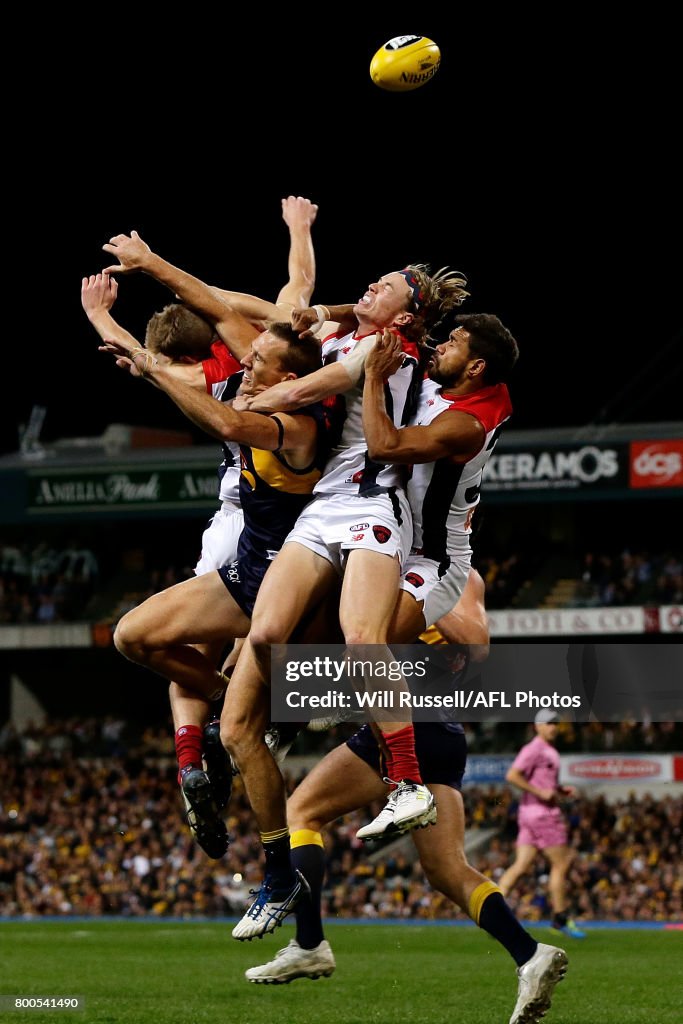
(224, 433)
(381, 451)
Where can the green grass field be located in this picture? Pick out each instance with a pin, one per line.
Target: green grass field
(156, 973)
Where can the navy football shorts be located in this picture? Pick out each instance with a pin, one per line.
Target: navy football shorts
(243, 579)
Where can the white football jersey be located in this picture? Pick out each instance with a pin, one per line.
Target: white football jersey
(444, 494)
(229, 469)
(349, 469)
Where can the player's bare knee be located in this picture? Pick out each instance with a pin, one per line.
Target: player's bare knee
(301, 815)
(238, 738)
(128, 640)
(264, 633)
(446, 876)
(231, 734)
(359, 635)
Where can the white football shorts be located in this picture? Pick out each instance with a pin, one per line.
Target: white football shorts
(437, 594)
(219, 540)
(333, 525)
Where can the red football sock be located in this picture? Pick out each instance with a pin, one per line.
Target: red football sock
(188, 746)
(402, 760)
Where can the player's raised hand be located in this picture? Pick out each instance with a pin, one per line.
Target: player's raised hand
(387, 355)
(298, 212)
(129, 356)
(118, 346)
(131, 252)
(98, 293)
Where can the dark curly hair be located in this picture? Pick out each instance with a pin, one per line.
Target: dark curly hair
(491, 341)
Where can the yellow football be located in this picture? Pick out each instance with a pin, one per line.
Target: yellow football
(405, 63)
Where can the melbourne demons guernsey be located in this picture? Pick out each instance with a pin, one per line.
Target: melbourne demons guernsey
(229, 469)
(350, 470)
(444, 494)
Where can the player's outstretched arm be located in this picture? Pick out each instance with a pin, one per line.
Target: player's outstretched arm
(333, 379)
(298, 214)
(134, 254)
(291, 434)
(98, 295)
(135, 359)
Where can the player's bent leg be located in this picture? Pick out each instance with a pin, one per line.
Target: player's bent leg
(442, 855)
(442, 849)
(408, 621)
(160, 632)
(366, 609)
(204, 788)
(318, 800)
(296, 581)
(246, 712)
(244, 720)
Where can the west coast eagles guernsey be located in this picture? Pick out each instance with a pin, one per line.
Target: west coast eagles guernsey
(444, 494)
(271, 492)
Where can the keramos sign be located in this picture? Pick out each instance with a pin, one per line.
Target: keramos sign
(551, 469)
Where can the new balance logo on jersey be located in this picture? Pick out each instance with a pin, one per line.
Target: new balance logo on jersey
(357, 536)
(382, 534)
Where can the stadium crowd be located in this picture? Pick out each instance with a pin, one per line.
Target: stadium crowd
(630, 578)
(45, 583)
(91, 824)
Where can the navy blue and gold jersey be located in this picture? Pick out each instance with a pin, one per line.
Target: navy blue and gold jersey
(272, 495)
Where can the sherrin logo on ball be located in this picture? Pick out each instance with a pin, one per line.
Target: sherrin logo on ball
(405, 63)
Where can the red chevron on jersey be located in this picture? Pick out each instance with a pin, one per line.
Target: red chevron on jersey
(221, 365)
(491, 405)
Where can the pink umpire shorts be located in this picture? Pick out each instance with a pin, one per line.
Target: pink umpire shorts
(541, 829)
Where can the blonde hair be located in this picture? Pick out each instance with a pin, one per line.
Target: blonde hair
(440, 293)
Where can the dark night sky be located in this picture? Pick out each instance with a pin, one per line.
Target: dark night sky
(545, 172)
